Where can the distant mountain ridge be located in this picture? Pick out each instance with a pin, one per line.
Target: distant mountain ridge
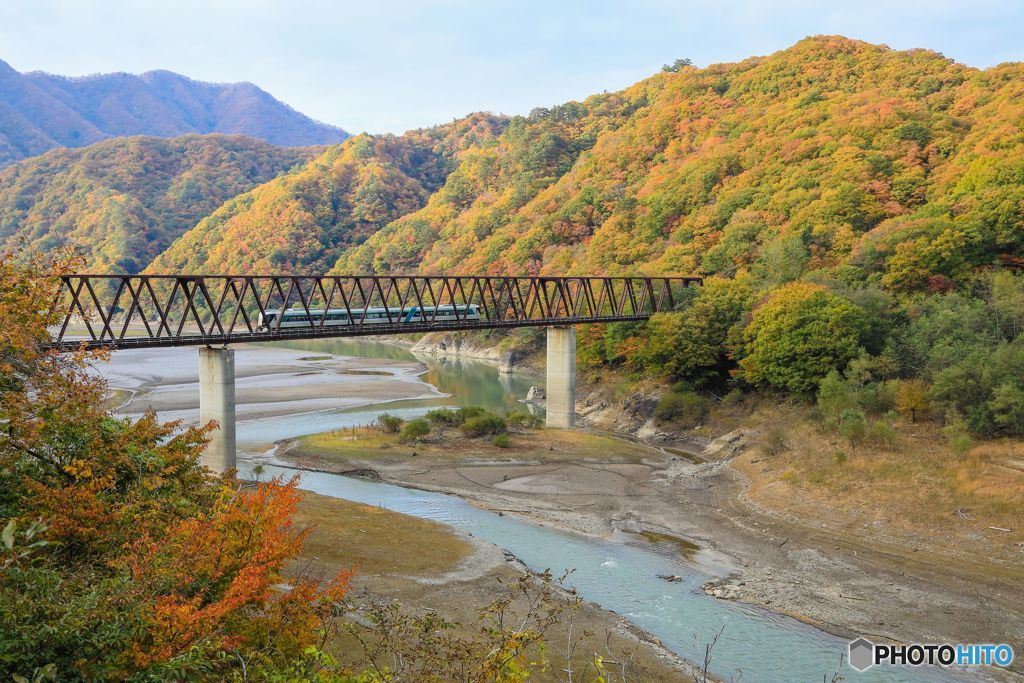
(40, 111)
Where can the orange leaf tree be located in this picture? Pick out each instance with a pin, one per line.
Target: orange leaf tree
(122, 556)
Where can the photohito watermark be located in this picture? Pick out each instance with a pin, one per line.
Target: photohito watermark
(864, 654)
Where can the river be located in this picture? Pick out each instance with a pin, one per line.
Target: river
(620, 574)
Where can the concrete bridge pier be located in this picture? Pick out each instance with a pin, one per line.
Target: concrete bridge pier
(217, 402)
(561, 380)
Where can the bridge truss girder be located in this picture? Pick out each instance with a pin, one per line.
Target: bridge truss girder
(145, 311)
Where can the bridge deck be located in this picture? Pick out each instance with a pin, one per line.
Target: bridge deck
(146, 311)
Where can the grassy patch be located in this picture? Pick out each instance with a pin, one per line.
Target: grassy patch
(375, 540)
(116, 398)
(367, 443)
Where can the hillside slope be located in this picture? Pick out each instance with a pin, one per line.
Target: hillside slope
(40, 111)
(304, 220)
(121, 202)
(828, 153)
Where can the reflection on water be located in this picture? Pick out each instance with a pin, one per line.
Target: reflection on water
(470, 383)
(355, 346)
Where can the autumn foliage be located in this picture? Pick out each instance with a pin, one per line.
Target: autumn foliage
(122, 555)
(122, 202)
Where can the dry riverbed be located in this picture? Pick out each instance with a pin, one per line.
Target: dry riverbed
(842, 580)
(269, 382)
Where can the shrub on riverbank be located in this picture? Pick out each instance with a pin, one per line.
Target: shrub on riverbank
(484, 425)
(682, 408)
(414, 430)
(389, 424)
(521, 418)
(446, 417)
(468, 412)
(442, 417)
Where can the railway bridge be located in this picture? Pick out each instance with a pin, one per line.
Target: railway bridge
(214, 311)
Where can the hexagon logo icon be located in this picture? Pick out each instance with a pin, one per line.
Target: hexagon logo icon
(862, 654)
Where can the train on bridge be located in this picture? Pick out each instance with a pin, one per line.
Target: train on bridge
(150, 311)
(374, 315)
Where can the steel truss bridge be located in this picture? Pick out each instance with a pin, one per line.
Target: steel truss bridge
(146, 311)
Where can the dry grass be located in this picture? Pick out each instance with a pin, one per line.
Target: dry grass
(368, 443)
(377, 541)
(919, 485)
(685, 548)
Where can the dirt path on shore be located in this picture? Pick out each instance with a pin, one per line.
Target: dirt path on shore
(840, 581)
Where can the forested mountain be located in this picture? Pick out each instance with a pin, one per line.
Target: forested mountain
(828, 154)
(40, 111)
(831, 152)
(121, 202)
(305, 219)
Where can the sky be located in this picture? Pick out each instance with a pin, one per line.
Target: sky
(392, 65)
